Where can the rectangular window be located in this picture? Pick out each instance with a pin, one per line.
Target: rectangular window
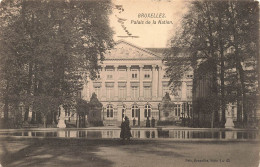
(190, 110)
(134, 73)
(134, 92)
(122, 92)
(147, 73)
(110, 92)
(189, 91)
(189, 76)
(109, 76)
(177, 110)
(122, 74)
(97, 91)
(135, 112)
(147, 92)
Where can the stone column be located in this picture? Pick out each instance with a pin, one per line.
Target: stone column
(116, 82)
(141, 77)
(103, 84)
(128, 86)
(154, 84)
(160, 76)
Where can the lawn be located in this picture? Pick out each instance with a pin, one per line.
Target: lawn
(48, 152)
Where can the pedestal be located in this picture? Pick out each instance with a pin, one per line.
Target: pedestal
(229, 123)
(61, 124)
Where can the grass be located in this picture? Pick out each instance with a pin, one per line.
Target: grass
(108, 153)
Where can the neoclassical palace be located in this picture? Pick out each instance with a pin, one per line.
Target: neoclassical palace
(131, 82)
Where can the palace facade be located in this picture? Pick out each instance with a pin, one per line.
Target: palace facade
(131, 82)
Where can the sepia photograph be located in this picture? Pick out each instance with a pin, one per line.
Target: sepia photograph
(129, 83)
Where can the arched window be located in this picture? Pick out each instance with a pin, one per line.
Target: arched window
(110, 111)
(135, 111)
(147, 111)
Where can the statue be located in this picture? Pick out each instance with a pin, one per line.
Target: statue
(229, 120)
(61, 120)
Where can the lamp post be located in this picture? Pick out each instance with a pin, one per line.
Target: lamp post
(103, 108)
(159, 105)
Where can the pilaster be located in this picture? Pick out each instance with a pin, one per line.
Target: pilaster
(103, 86)
(154, 83)
(128, 87)
(141, 77)
(160, 76)
(116, 82)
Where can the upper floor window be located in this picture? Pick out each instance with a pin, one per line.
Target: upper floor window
(109, 76)
(122, 74)
(134, 73)
(109, 90)
(122, 92)
(97, 91)
(189, 76)
(135, 92)
(147, 92)
(189, 91)
(98, 76)
(147, 73)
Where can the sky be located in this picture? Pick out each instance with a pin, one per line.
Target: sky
(149, 35)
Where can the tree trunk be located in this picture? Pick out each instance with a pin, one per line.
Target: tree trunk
(239, 69)
(44, 121)
(222, 75)
(212, 119)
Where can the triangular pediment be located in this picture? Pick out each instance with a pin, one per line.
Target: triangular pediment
(126, 51)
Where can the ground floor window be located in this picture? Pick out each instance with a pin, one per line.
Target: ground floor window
(135, 111)
(110, 111)
(147, 111)
(177, 110)
(189, 110)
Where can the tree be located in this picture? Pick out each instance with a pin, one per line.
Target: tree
(82, 109)
(209, 31)
(167, 106)
(46, 45)
(95, 107)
